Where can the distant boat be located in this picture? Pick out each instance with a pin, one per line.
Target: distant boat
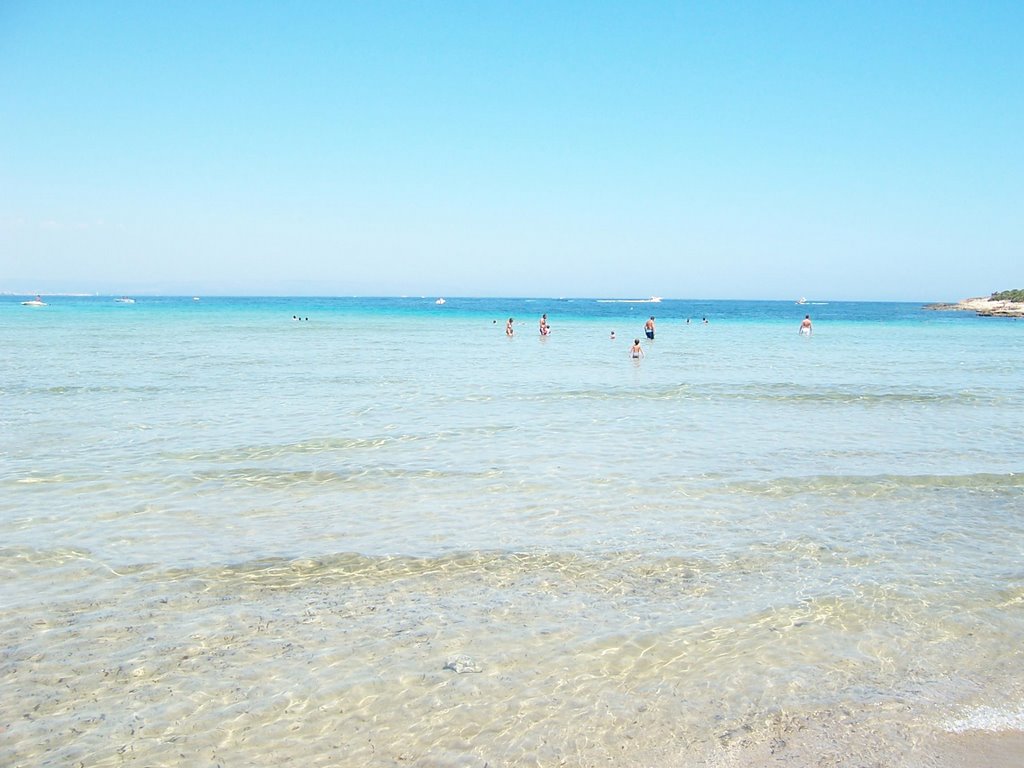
(195, 298)
(124, 300)
(439, 301)
(36, 302)
(802, 300)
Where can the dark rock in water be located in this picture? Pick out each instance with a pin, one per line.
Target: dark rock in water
(462, 664)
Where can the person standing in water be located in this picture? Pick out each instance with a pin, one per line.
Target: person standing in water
(508, 328)
(636, 351)
(545, 329)
(805, 326)
(649, 328)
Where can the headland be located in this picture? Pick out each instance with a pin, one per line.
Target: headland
(1001, 304)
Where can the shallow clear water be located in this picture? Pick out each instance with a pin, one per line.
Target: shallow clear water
(240, 537)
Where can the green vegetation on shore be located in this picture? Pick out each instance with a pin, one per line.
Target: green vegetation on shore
(1015, 295)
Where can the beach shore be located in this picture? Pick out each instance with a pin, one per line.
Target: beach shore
(1001, 749)
(834, 744)
(984, 306)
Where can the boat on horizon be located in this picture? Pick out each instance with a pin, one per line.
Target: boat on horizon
(124, 300)
(439, 301)
(802, 300)
(652, 300)
(36, 302)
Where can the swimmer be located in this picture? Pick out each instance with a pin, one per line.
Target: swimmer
(636, 351)
(545, 329)
(805, 326)
(649, 328)
(508, 327)
(613, 335)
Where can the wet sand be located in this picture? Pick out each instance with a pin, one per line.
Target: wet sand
(981, 749)
(828, 744)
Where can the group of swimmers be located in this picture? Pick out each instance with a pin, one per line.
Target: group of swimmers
(636, 351)
(545, 329)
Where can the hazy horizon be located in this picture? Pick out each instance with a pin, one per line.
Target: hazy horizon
(312, 292)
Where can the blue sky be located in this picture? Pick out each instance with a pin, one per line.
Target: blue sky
(853, 150)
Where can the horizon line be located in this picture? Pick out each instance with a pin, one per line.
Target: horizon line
(417, 297)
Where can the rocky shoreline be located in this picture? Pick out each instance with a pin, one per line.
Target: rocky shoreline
(984, 307)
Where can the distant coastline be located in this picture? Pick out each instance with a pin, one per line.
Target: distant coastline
(1001, 304)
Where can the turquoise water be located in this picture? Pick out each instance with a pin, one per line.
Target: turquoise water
(228, 533)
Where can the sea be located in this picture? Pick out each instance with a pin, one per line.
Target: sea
(242, 531)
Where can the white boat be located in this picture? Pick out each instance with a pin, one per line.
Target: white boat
(34, 303)
(195, 298)
(125, 300)
(439, 301)
(802, 300)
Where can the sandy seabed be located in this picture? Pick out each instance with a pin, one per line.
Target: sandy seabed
(255, 670)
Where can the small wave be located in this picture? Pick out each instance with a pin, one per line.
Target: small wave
(271, 478)
(18, 558)
(622, 572)
(787, 393)
(612, 394)
(877, 485)
(64, 389)
(323, 446)
(772, 394)
(40, 479)
(988, 719)
(274, 451)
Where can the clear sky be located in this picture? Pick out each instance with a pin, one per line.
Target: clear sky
(846, 150)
